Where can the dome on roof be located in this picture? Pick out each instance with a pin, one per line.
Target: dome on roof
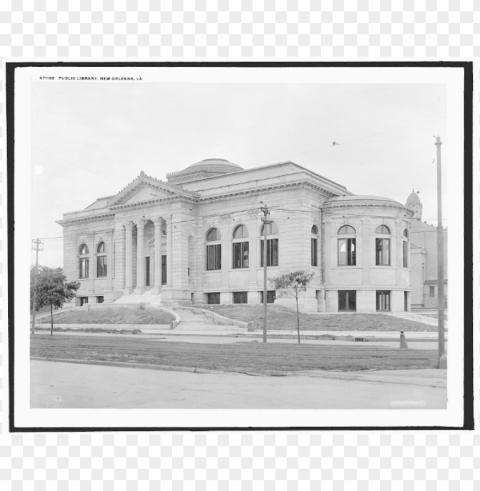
(216, 164)
(413, 199)
(347, 199)
(203, 169)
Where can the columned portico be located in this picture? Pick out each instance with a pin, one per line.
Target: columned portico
(128, 258)
(140, 288)
(158, 255)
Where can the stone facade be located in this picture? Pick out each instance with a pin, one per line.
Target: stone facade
(154, 235)
(424, 258)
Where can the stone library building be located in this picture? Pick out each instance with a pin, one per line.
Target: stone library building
(198, 239)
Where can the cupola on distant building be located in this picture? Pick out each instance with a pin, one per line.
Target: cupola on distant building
(198, 239)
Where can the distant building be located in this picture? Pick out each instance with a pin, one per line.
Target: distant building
(424, 258)
(198, 239)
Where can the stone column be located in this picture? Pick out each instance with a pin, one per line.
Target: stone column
(139, 289)
(169, 251)
(128, 258)
(366, 251)
(119, 258)
(253, 247)
(158, 256)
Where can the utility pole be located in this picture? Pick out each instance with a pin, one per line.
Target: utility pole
(36, 248)
(266, 222)
(442, 357)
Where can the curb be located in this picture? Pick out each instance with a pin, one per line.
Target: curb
(145, 366)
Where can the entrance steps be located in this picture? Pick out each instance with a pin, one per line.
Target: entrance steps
(198, 322)
(145, 297)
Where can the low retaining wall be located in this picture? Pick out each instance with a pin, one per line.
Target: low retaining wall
(87, 307)
(217, 319)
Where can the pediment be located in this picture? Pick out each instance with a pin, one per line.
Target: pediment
(145, 192)
(145, 188)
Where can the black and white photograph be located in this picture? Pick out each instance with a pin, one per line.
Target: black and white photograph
(232, 246)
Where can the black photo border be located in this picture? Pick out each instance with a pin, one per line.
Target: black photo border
(468, 348)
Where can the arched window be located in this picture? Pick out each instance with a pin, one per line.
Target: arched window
(214, 251)
(101, 261)
(240, 232)
(382, 247)
(346, 229)
(213, 234)
(314, 246)
(383, 229)
(405, 249)
(272, 245)
(240, 247)
(83, 262)
(347, 248)
(272, 229)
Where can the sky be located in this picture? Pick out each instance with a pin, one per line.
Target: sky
(91, 139)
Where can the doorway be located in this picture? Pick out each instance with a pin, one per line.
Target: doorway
(147, 271)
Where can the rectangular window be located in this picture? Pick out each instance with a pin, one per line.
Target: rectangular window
(272, 252)
(347, 252)
(347, 301)
(240, 255)
(83, 300)
(164, 270)
(240, 297)
(270, 296)
(405, 301)
(214, 257)
(383, 252)
(84, 263)
(314, 252)
(213, 298)
(100, 299)
(405, 254)
(383, 301)
(432, 291)
(101, 266)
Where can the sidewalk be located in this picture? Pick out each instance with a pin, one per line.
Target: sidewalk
(68, 385)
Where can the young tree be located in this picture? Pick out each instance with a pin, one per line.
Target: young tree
(53, 289)
(290, 285)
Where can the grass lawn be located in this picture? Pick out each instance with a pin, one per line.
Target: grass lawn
(284, 319)
(433, 316)
(254, 358)
(113, 315)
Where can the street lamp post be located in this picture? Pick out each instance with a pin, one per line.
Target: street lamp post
(442, 356)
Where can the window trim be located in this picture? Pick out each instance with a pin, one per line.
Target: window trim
(346, 227)
(277, 255)
(242, 244)
(84, 260)
(388, 295)
(347, 300)
(244, 296)
(377, 263)
(217, 257)
(271, 224)
(314, 252)
(354, 255)
(405, 256)
(243, 236)
(217, 239)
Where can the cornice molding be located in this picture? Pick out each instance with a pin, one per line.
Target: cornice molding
(90, 218)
